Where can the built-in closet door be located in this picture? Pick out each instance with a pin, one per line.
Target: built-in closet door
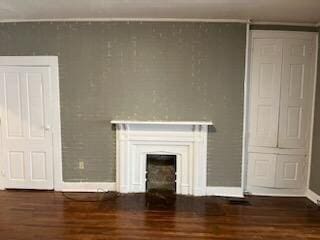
(281, 93)
(276, 170)
(296, 93)
(265, 92)
(262, 169)
(290, 171)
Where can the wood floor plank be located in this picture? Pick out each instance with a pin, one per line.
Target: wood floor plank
(28, 215)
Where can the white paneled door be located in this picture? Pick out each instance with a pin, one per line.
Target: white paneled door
(27, 144)
(282, 84)
(265, 92)
(296, 97)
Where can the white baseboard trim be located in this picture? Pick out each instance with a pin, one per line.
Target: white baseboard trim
(86, 186)
(273, 192)
(313, 196)
(111, 186)
(225, 191)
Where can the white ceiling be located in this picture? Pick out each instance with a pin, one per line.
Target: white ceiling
(298, 11)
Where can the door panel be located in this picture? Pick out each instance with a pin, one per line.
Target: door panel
(296, 89)
(277, 171)
(290, 170)
(265, 92)
(38, 165)
(16, 162)
(36, 104)
(261, 169)
(13, 107)
(27, 143)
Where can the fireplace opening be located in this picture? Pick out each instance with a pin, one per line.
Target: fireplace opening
(161, 173)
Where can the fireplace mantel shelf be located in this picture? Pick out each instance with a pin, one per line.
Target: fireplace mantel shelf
(206, 123)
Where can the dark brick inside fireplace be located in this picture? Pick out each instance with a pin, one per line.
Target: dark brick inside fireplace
(161, 173)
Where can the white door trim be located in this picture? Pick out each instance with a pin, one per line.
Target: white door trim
(312, 114)
(52, 63)
(246, 91)
(312, 196)
(283, 34)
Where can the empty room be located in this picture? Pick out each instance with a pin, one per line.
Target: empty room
(159, 119)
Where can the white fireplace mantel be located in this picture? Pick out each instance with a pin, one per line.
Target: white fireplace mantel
(186, 140)
(205, 123)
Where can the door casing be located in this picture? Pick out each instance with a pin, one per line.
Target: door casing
(294, 34)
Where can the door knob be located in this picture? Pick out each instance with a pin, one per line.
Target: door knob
(47, 127)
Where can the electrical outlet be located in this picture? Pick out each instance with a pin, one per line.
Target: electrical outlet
(81, 165)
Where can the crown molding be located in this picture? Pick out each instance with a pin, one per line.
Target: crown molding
(204, 20)
(127, 20)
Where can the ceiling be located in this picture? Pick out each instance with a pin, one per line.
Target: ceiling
(297, 11)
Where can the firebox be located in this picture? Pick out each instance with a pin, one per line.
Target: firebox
(161, 173)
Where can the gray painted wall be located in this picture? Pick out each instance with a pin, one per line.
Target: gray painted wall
(315, 161)
(140, 71)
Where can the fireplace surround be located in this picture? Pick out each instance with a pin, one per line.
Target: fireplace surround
(138, 139)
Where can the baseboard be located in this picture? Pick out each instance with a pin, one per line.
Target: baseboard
(313, 196)
(273, 192)
(111, 186)
(211, 191)
(2, 181)
(86, 186)
(225, 191)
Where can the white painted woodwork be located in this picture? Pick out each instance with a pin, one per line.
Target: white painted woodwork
(290, 151)
(262, 169)
(25, 123)
(188, 141)
(265, 92)
(313, 196)
(205, 123)
(296, 93)
(289, 171)
(280, 110)
(276, 170)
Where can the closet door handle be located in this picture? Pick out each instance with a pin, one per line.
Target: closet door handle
(47, 127)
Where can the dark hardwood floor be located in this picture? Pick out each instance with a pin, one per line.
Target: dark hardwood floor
(50, 215)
